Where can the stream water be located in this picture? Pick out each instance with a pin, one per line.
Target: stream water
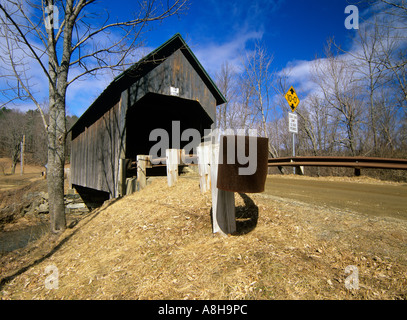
(12, 240)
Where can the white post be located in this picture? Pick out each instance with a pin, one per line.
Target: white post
(204, 156)
(223, 202)
(172, 157)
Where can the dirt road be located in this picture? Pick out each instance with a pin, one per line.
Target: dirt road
(379, 199)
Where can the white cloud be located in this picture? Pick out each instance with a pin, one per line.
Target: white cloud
(390, 34)
(212, 55)
(299, 75)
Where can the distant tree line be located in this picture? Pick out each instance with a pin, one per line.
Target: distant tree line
(13, 125)
(358, 102)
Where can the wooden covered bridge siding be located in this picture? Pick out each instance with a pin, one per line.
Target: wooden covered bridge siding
(96, 150)
(117, 125)
(177, 72)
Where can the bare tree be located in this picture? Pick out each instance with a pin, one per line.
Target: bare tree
(313, 122)
(336, 79)
(393, 59)
(226, 82)
(391, 44)
(242, 115)
(396, 7)
(258, 78)
(380, 65)
(370, 70)
(78, 46)
(11, 133)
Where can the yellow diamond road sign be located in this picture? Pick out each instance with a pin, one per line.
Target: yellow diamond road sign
(292, 99)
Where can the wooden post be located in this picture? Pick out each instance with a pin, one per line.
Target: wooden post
(204, 169)
(68, 177)
(172, 158)
(22, 154)
(181, 156)
(121, 183)
(141, 170)
(131, 185)
(223, 202)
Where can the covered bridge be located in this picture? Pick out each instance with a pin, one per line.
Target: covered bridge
(167, 85)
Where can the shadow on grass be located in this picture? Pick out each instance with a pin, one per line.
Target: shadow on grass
(246, 216)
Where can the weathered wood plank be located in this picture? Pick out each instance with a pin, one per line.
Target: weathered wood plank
(96, 152)
(141, 170)
(122, 177)
(131, 185)
(177, 72)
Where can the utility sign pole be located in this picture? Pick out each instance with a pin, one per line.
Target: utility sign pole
(292, 123)
(293, 128)
(293, 102)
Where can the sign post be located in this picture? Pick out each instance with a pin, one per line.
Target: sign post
(293, 122)
(293, 128)
(293, 101)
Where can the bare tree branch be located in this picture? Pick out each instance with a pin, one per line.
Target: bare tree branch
(24, 39)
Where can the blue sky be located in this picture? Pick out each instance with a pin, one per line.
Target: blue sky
(294, 32)
(291, 29)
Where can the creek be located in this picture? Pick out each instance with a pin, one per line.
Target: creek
(12, 240)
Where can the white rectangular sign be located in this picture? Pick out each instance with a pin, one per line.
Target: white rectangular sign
(292, 123)
(174, 91)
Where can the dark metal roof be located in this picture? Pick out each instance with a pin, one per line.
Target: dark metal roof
(145, 65)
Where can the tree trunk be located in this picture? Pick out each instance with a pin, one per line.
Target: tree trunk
(56, 161)
(58, 75)
(14, 157)
(13, 167)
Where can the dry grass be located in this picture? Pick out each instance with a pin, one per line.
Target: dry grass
(157, 244)
(32, 173)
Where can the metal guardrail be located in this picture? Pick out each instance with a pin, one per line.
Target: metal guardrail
(331, 161)
(314, 161)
